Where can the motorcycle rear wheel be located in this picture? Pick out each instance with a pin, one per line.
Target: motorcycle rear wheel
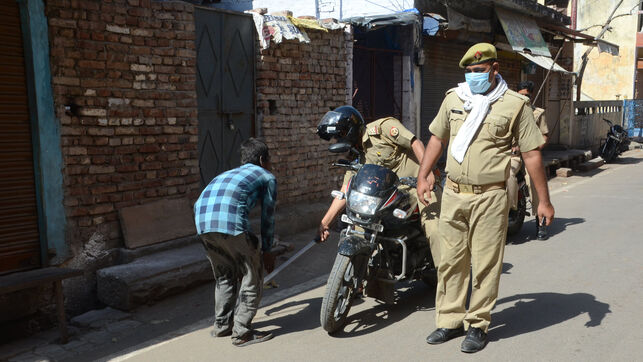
(517, 217)
(338, 298)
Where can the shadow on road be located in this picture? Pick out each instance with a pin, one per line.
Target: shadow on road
(417, 297)
(295, 316)
(627, 160)
(535, 311)
(528, 232)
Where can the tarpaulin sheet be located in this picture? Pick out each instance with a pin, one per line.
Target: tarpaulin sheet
(377, 21)
(459, 21)
(307, 23)
(545, 62)
(276, 28)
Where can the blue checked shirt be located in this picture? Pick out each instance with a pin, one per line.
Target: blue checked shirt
(225, 203)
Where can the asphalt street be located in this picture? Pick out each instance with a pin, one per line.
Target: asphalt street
(576, 296)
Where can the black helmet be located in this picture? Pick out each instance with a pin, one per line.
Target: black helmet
(344, 124)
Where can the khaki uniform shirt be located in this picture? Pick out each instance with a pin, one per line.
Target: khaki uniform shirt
(487, 159)
(541, 121)
(386, 142)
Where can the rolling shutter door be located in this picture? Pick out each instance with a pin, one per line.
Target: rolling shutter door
(440, 73)
(19, 236)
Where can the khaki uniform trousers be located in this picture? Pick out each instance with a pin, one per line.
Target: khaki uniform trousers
(472, 229)
(512, 186)
(430, 218)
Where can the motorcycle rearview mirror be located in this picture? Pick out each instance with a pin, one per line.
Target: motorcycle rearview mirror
(337, 194)
(400, 214)
(339, 147)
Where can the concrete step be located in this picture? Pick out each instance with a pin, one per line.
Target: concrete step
(591, 164)
(571, 158)
(153, 277)
(150, 273)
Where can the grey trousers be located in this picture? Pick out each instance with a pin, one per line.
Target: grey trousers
(237, 266)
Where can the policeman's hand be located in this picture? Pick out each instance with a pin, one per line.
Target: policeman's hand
(323, 232)
(269, 261)
(424, 188)
(546, 210)
(431, 180)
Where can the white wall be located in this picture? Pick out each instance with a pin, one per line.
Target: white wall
(608, 77)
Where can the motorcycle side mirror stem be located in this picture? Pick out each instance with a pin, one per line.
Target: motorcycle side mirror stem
(339, 147)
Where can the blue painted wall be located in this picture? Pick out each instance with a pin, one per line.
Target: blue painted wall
(633, 117)
(45, 129)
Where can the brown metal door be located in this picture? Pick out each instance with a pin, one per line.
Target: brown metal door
(378, 92)
(19, 237)
(225, 88)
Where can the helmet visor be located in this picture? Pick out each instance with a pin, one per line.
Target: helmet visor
(328, 126)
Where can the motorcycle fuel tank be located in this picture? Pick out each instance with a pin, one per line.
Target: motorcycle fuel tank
(374, 180)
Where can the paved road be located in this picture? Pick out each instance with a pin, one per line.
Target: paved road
(576, 296)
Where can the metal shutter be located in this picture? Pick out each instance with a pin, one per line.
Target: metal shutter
(19, 236)
(440, 73)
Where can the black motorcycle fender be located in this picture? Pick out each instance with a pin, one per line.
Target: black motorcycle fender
(354, 245)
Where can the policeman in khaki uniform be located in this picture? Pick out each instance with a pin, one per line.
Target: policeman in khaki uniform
(385, 142)
(478, 119)
(526, 88)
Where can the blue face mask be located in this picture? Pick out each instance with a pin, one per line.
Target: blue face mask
(478, 82)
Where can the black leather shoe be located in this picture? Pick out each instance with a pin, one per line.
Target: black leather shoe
(541, 230)
(475, 340)
(442, 335)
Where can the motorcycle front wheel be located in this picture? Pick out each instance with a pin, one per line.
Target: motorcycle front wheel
(338, 298)
(608, 153)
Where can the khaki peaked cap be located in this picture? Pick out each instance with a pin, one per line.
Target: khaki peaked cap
(478, 53)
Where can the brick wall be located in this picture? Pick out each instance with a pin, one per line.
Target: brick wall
(297, 84)
(129, 66)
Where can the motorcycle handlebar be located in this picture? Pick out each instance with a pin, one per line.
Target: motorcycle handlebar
(409, 181)
(346, 164)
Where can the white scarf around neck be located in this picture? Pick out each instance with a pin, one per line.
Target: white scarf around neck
(478, 106)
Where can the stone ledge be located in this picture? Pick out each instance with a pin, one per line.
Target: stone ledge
(153, 277)
(591, 164)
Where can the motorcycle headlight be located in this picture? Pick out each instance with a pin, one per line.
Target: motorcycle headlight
(363, 204)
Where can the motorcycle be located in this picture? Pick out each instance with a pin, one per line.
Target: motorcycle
(616, 142)
(517, 216)
(383, 242)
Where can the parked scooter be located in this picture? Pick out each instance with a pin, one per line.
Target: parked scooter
(382, 244)
(616, 142)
